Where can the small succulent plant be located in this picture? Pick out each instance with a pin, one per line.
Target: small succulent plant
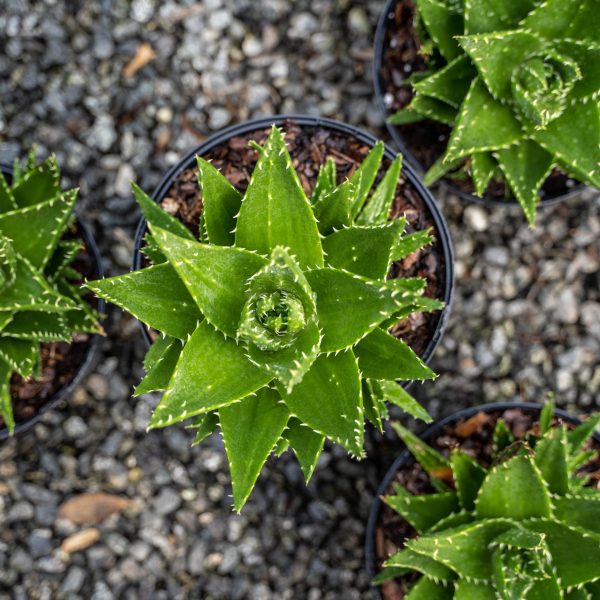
(274, 322)
(519, 82)
(39, 299)
(524, 528)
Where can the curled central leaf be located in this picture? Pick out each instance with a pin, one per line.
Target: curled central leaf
(279, 306)
(541, 86)
(273, 319)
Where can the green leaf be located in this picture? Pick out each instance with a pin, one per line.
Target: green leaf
(525, 166)
(483, 167)
(502, 437)
(6, 410)
(575, 554)
(156, 216)
(454, 520)
(431, 460)
(551, 458)
(578, 511)
(513, 489)
(215, 276)
(451, 83)
(468, 477)
(439, 168)
(333, 210)
(389, 573)
(482, 16)
(552, 18)
(405, 116)
(156, 351)
(573, 140)
(427, 589)
(483, 124)
(211, 372)
(154, 295)
(364, 251)
(422, 512)
(581, 434)
(337, 292)
(48, 220)
(433, 109)
(587, 57)
(422, 564)
(251, 429)
(63, 256)
(468, 590)
(7, 200)
(151, 250)
(275, 210)
(20, 355)
(382, 356)
(30, 291)
(398, 396)
(373, 403)
(221, 203)
(586, 23)
(363, 178)
(326, 180)
(38, 184)
(410, 243)
(205, 425)
(546, 416)
(498, 55)
(306, 444)
(465, 549)
(377, 210)
(442, 24)
(329, 400)
(38, 326)
(161, 371)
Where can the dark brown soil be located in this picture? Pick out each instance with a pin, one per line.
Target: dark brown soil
(60, 361)
(427, 140)
(474, 436)
(309, 148)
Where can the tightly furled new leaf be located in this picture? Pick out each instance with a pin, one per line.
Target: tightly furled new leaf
(273, 332)
(524, 528)
(38, 302)
(519, 81)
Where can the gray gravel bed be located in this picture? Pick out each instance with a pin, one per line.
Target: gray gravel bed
(526, 315)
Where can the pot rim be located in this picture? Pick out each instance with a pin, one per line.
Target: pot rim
(398, 139)
(405, 456)
(94, 343)
(304, 120)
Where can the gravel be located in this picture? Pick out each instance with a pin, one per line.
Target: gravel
(525, 319)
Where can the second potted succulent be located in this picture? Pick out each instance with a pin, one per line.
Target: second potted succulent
(500, 501)
(497, 100)
(274, 305)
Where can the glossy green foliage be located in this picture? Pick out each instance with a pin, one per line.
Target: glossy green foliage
(524, 528)
(275, 323)
(39, 301)
(519, 82)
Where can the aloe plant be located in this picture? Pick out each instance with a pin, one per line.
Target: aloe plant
(273, 323)
(39, 299)
(524, 528)
(519, 83)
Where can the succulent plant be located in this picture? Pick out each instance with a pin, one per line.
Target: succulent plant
(273, 323)
(519, 83)
(40, 300)
(525, 527)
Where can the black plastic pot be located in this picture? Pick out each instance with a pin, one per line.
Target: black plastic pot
(189, 161)
(92, 350)
(406, 459)
(395, 131)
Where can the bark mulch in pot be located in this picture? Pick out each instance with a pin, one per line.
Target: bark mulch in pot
(309, 147)
(61, 361)
(427, 139)
(472, 435)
